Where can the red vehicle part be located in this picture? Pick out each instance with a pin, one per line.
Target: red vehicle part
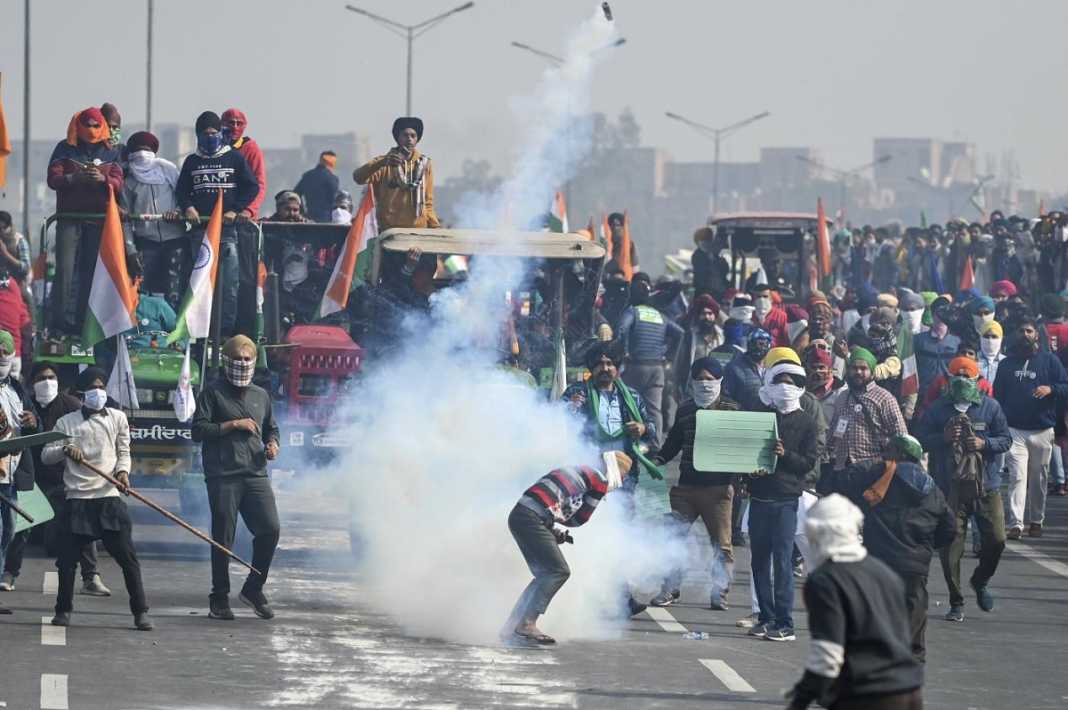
(324, 359)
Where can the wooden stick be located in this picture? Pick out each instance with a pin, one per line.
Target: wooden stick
(14, 506)
(168, 515)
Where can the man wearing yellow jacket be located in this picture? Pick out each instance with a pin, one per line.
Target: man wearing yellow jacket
(402, 180)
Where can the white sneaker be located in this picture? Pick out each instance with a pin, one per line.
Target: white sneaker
(747, 622)
(95, 587)
(7, 582)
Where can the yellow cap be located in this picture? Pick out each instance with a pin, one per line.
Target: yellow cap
(777, 355)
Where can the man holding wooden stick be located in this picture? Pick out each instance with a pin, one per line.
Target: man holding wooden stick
(99, 439)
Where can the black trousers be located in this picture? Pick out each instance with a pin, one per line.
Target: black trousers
(118, 543)
(916, 601)
(252, 497)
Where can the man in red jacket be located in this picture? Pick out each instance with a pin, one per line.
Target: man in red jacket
(81, 170)
(234, 123)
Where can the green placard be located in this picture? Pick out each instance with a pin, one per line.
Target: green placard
(35, 503)
(735, 442)
(18, 443)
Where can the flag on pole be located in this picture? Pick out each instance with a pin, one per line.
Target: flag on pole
(558, 214)
(606, 235)
(5, 141)
(967, 274)
(194, 315)
(910, 377)
(624, 249)
(121, 385)
(185, 405)
(823, 240)
(364, 224)
(112, 297)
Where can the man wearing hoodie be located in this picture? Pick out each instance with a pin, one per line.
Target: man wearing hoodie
(966, 435)
(742, 376)
(215, 167)
(81, 170)
(234, 124)
(856, 616)
(769, 317)
(773, 501)
(700, 494)
(1028, 384)
(905, 519)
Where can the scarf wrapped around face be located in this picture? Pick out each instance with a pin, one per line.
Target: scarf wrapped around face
(78, 130)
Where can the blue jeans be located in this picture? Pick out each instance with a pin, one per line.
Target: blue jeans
(7, 519)
(230, 273)
(771, 543)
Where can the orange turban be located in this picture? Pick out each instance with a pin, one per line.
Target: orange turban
(964, 366)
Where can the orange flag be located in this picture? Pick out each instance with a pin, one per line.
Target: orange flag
(624, 258)
(336, 296)
(967, 274)
(606, 235)
(823, 240)
(5, 142)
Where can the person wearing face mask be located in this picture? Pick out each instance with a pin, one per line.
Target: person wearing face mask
(700, 494)
(856, 611)
(16, 418)
(216, 167)
(967, 436)
(981, 311)
(234, 122)
(990, 355)
(47, 405)
(164, 248)
(114, 123)
(1028, 385)
(98, 435)
(774, 501)
(238, 436)
(865, 417)
(966, 363)
(564, 498)
(912, 310)
(935, 347)
(701, 337)
(81, 169)
(742, 375)
(711, 271)
(768, 317)
(1053, 330)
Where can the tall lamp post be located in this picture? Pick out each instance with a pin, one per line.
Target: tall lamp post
(410, 33)
(717, 134)
(148, 67)
(844, 176)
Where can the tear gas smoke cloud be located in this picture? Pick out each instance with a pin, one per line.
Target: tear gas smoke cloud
(443, 443)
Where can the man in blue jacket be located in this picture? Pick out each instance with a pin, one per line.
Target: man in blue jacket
(1028, 385)
(965, 433)
(742, 378)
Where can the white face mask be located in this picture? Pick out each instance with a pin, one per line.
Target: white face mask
(962, 407)
(6, 363)
(915, 319)
(45, 391)
(705, 392)
(95, 399)
(142, 157)
(784, 397)
(991, 346)
(762, 306)
(980, 321)
(742, 314)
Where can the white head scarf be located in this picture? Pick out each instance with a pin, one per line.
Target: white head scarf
(149, 169)
(833, 527)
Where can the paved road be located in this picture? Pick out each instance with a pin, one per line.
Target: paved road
(327, 649)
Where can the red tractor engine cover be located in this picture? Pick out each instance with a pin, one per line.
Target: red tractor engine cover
(324, 359)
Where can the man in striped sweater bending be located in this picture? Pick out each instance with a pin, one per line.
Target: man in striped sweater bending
(567, 496)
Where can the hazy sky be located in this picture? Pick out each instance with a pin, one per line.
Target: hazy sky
(833, 73)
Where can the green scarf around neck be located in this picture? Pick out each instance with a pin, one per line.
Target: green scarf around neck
(593, 401)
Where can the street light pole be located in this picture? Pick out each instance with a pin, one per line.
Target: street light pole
(148, 67)
(717, 134)
(410, 33)
(26, 123)
(844, 176)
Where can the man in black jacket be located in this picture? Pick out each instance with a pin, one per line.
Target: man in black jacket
(905, 520)
(239, 435)
(773, 501)
(318, 187)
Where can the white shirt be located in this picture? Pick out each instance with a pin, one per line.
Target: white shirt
(12, 406)
(104, 439)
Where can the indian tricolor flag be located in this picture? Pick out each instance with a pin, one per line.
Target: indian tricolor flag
(112, 296)
(910, 377)
(194, 317)
(558, 214)
(364, 224)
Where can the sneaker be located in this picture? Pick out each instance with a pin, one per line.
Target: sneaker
(635, 607)
(718, 602)
(259, 603)
(784, 633)
(983, 597)
(1035, 530)
(799, 569)
(62, 618)
(1014, 533)
(759, 631)
(7, 582)
(4, 610)
(220, 610)
(666, 597)
(955, 613)
(740, 539)
(747, 622)
(142, 622)
(94, 587)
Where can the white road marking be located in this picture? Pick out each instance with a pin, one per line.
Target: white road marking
(52, 635)
(51, 583)
(1041, 558)
(53, 692)
(727, 675)
(667, 622)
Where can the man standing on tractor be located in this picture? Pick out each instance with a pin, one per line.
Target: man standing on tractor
(402, 180)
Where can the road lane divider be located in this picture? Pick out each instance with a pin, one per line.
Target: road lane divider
(52, 635)
(54, 692)
(666, 621)
(51, 583)
(727, 675)
(1025, 550)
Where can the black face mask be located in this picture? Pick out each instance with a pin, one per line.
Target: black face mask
(1024, 347)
